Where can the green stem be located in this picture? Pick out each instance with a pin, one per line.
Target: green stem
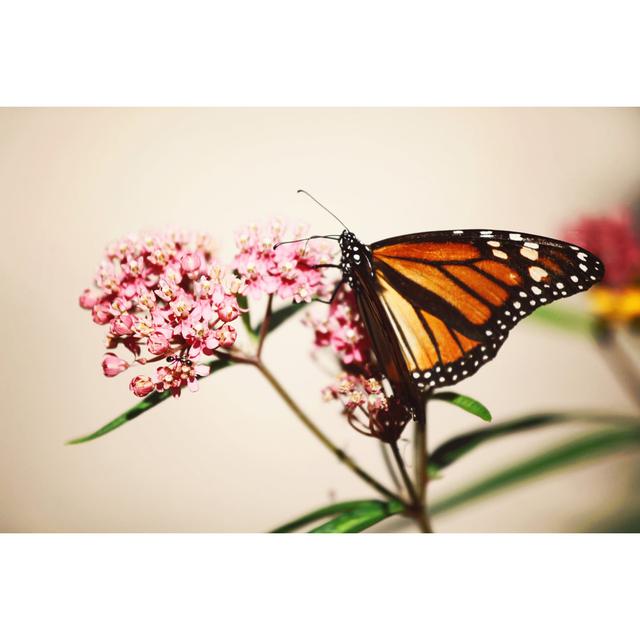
(389, 465)
(403, 472)
(339, 453)
(618, 361)
(421, 461)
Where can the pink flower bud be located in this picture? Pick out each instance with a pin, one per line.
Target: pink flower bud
(141, 386)
(158, 344)
(123, 325)
(190, 262)
(101, 313)
(226, 336)
(112, 365)
(228, 310)
(88, 299)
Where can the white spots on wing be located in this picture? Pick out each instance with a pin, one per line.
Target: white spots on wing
(454, 378)
(416, 374)
(427, 374)
(532, 245)
(582, 256)
(593, 277)
(537, 273)
(488, 332)
(543, 300)
(523, 313)
(486, 233)
(522, 294)
(560, 285)
(575, 248)
(499, 254)
(536, 290)
(532, 303)
(458, 232)
(507, 313)
(529, 253)
(515, 236)
(574, 278)
(583, 267)
(517, 305)
(483, 348)
(493, 243)
(441, 379)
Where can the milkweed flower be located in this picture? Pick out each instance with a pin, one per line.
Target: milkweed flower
(162, 295)
(342, 330)
(614, 238)
(289, 271)
(369, 410)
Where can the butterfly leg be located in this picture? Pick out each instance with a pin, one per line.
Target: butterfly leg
(333, 295)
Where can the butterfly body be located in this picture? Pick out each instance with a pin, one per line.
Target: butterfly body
(438, 305)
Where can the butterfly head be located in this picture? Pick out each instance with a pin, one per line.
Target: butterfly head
(355, 256)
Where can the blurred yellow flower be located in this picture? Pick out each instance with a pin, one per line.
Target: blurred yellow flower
(616, 305)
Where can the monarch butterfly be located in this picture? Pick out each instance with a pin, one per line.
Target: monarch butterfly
(439, 305)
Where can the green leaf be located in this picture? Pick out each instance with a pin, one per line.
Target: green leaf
(362, 517)
(282, 315)
(569, 453)
(453, 449)
(324, 512)
(465, 402)
(243, 303)
(153, 399)
(560, 317)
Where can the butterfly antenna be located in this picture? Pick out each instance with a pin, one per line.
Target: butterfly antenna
(331, 237)
(306, 193)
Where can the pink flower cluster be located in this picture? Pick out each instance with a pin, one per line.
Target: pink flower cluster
(358, 387)
(164, 293)
(288, 271)
(614, 239)
(342, 330)
(367, 407)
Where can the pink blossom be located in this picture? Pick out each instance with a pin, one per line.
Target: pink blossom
(343, 330)
(179, 374)
(112, 365)
(613, 237)
(158, 344)
(88, 299)
(288, 271)
(190, 262)
(122, 325)
(367, 407)
(141, 386)
(163, 294)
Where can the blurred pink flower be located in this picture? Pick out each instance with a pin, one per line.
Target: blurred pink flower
(165, 293)
(289, 271)
(611, 237)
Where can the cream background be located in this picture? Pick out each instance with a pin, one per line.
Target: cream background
(231, 457)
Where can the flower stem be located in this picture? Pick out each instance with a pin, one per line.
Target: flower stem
(421, 460)
(403, 472)
(618, 361)
(389, 465)
(339, 453)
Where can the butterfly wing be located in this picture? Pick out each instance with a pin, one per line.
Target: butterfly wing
(448, 299)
